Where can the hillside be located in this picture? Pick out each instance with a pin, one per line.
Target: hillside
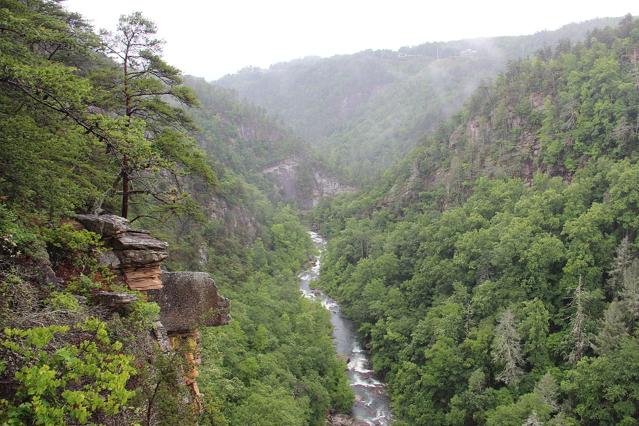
(247, 140)
(362, 112)
(94, 126)
(493, 271)
(480, 199)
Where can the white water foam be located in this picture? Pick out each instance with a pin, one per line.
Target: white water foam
(371, 405)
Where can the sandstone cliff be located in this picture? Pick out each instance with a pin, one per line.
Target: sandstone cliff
(187, 300)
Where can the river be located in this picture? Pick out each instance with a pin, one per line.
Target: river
(371, 406)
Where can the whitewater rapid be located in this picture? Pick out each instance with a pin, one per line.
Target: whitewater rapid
(371, 404)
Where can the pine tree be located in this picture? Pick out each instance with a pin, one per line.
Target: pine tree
(613, 327)
(621, 263)
(507, 349)
(534, 329)
(579, 337)
(548, 390)
(630, 290)
(151, 132)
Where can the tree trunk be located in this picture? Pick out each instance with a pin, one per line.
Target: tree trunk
(125, 188)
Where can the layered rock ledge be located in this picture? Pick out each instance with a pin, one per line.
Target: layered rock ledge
(134, 254)
(187, 300)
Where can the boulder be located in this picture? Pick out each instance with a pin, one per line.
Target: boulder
(115, 301)
(188, 300)
(106, 225)
(343, 420)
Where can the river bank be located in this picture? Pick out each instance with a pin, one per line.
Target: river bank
(371, 406)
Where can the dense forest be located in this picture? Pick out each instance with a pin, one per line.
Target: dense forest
(100, 123)
(363, 112)
(494, 272)
(479, 198)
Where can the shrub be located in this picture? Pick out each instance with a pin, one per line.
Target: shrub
(65, 374)
(64, 302)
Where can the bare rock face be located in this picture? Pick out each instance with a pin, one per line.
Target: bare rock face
(294, 183)
(107, 225)
(134, 254)
(188, 300)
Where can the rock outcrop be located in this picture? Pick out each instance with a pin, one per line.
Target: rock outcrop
(187, 300)
(115, 301)
(343, 420)
(297, 181)
(134, 254)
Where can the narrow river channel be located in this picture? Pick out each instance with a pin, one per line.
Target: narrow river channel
(371, 405)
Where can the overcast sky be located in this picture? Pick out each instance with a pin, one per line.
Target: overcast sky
(211, 38)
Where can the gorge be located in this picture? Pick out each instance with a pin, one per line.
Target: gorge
(474, 258)
(371, 406)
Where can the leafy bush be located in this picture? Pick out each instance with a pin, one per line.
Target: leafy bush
(15, 239)
(66, 242)
(66, 374)
(63, 301)
(82, 285)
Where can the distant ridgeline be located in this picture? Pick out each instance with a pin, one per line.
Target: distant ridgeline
(363, 112)
(493, 272)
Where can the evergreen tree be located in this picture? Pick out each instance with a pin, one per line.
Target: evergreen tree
(506, 350)
(534, 328)
(630, 290)
(612, 328)
(50, 160)
(151, 132)
(548, 389)
(621, 263)
(578, 336)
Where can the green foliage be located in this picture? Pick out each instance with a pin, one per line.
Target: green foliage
(65, 243)
(63, 301)
(61, 383)
(145, 314)
(500, 252)
(88, 123)
(363, 112)
(15, 239)
(82, 285)
(275, 363)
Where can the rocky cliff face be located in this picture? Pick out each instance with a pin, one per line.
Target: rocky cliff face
(303, 184)
(187, 300)
(134, 254)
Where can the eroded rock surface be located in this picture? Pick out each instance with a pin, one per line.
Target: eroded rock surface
(188, 300)
(295, 181)
(134, 254)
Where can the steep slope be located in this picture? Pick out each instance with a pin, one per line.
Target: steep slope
(494, 271)
(76, 337)
(364, 111)
(246, 140)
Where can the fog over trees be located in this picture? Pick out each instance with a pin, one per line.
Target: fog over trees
(479, 199)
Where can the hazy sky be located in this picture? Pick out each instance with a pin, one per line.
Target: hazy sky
(213, 38)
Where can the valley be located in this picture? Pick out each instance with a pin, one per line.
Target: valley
(473, 258)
